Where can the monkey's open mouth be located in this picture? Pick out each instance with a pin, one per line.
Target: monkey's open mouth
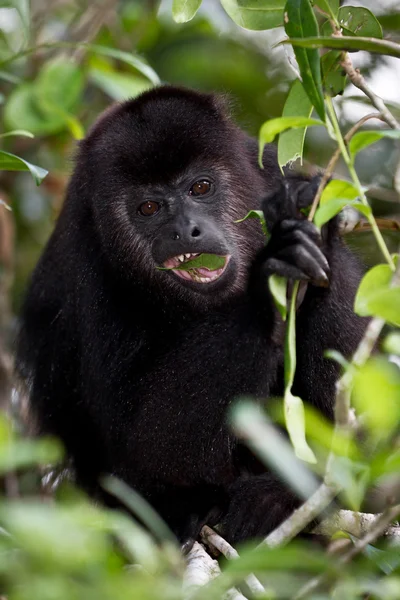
(197, 274)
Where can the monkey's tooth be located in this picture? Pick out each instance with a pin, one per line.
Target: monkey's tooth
(188, 255)
(181, 258)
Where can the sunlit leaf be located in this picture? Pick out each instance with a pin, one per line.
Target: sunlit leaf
(337, 195)
(339, 188)
(270, 129)
(363, 139)
(184, 10)
(293, 405)
(376, 395)
(267, 442)
(291, 142)
(391, 343)
(139, 507)
(119, 86)
(256, 214)
(255, 14)
(296, 427)
(376, 298)
(347, 43)
(278, 286)
(21, 111)
(134, 61)
(300, 22)
(17, 132)
(59, 84)
(10, 162)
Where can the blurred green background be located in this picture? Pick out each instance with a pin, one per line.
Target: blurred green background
(57, 91)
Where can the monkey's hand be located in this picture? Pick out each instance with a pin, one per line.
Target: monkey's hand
(294, 249)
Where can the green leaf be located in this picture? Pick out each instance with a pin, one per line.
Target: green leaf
(270, 129)
(256, 214)
(139, 507)
(291, 143)
(267, 442)
(212, 262)
(378, 277)
(255, 14)
(359, 21)
(347, 43)
(333, 76)
(17, 132)
(337, 195)
(278, 286)
(385, 305)
(300, 22)
(21, 111)
(10, 162)
(391, 345)
(296, 427)
(339, 188)
(363, 139)
(376, 394)
(293, 405)
(330, 7)
(130, 59)
(375, 298)
(59, 84)
(184, 10)
(327, 211)
(119, 86)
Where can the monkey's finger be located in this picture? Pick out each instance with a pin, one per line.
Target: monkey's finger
(288, 226)
(275, 266)
(304, 260)
(298, 237)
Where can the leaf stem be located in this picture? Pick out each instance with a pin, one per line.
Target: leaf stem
(346, 156)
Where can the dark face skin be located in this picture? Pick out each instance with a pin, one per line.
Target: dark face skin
(182, 220)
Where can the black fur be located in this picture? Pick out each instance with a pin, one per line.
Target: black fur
(134, 368)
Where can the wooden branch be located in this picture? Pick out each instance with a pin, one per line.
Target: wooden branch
(200, 570)
(215, 541)
(359, 82)
(356, 524)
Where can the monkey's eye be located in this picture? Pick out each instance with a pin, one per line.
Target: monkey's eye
(200, 188)
(149, 208)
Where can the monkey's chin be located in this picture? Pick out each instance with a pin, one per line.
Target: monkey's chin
(199, 275)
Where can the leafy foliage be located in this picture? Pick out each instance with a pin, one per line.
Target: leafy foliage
(68, 548)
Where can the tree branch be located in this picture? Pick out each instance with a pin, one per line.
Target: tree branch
(359, 82)
(215, 541)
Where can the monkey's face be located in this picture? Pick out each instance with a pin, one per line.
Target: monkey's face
(170, 176)
(183, 219)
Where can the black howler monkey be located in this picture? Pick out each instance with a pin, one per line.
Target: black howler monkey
(133, 367)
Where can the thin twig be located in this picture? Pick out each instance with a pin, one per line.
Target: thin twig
(302, 516)
(359, 82)
(335, 157)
